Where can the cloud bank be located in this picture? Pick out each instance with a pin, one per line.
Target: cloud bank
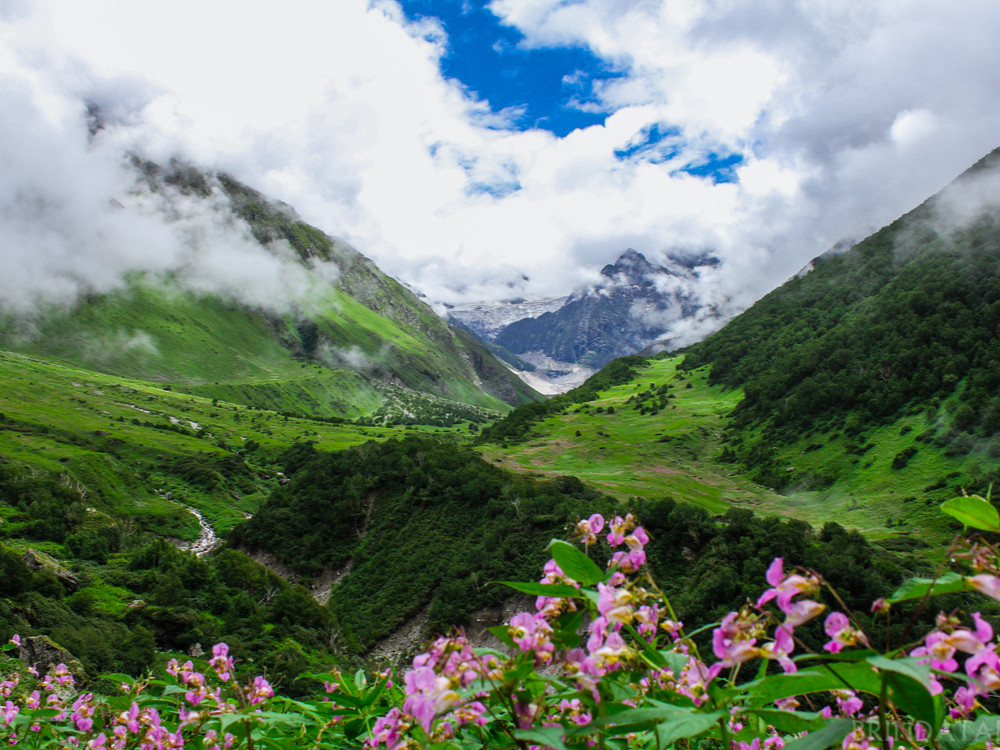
(838, 118)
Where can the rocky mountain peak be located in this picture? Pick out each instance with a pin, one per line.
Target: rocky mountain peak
(633, 265)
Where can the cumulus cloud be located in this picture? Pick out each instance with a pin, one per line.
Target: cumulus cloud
(844, 116)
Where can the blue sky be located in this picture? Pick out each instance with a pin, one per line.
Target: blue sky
(551, 88)
(547, 88)
(483, 151)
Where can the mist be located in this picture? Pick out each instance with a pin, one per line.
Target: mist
(78, 218)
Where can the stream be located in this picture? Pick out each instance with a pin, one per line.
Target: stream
(207, 539)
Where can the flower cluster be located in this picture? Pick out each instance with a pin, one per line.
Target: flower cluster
(53, 714)
(434, 685)
(602, 661)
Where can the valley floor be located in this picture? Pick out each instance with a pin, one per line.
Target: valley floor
(661, 434)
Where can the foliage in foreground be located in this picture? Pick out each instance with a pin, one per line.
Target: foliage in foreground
(602, 661)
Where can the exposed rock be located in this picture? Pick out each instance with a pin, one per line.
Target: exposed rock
(36, 560)
(45, 654)
(632, 306)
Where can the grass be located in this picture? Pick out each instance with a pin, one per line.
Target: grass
(143, 451)
(215, 347)
(628, 454)
(675, 451)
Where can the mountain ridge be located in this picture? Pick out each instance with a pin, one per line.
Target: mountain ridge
(341, 312)
(631, 307)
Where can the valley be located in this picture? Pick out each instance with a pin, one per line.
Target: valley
(390, 465)
(663, 433)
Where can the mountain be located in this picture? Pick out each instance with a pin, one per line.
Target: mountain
(863, 390)
(905, 321)
(860, 393)
(632, 306)
(290, 333)
(488, 319)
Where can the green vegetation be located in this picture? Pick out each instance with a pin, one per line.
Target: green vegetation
(601, 660)
(864, 390)
(518, 424)
(899, 330)
(622, 441)
(140, 451)
(331, 441)
(668, 432)
(414, 525)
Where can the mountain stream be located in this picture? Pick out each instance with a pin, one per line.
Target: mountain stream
(207, 539)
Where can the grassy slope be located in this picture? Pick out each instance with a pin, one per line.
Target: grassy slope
(208, 346)
(80, 423)
(628, 454)
(676, 452)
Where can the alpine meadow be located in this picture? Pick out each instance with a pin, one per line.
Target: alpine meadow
(265, 487)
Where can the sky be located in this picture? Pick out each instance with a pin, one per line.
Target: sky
(487, 149)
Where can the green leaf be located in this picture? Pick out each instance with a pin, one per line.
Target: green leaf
(119, 678)
(913, 698)
(917, 588)
(823, 738)
(503, 635)
(227, 720)
(973, 511)
(675, 660)
(690, 726)
(790, 722)
(521, 669)
(673, 722)
(908, 666)
(547, 736)
(553, 590)
(649, 654)
(859, 676)
(909, 686)
(964, 733)
(565, 629)
(575, 564)
(353, 701)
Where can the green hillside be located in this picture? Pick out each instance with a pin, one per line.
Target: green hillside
(863, 391)
(327, 354)
(901, 327)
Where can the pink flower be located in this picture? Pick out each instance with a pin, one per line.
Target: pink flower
(386, 731)
(8, 712)
(553, 606)
(619, 528)
(838, 627)
(734, 640)
(531, 634)
(848, 702)
(130, 719)
(610, 654)
(986, 584)
(615, 604)
(589, 528)
(428, 694)
(221, 662)
(470, 713)
(780, 649)
(260, 691)
(802, 611)
(785, 588)
(637, 539)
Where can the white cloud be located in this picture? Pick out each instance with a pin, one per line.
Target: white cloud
(848, 114)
